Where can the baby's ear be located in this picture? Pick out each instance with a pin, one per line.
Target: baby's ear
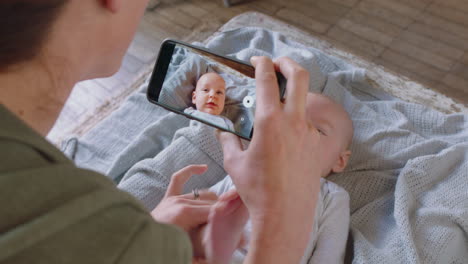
(194, 97)
(342, 161)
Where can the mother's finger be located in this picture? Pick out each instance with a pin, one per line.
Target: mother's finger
(267, 89)
(229, 195)
(191, 202)
(297, 85)
(232, 148)
(199, 261)
(197, 214)
(179, 178)
(207, 195)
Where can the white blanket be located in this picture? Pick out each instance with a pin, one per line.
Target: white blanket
(407, 177)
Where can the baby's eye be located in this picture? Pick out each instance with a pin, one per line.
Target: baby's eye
(205, 90)
(220, 93)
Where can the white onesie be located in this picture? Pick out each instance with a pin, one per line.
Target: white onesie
(218, 120)
(328, 239)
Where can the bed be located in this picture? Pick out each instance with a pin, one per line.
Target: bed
(408, 174)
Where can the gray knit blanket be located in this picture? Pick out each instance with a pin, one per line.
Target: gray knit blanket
(407, 177)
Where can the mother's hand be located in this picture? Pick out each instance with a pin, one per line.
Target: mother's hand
(278, 176)
(184, 210)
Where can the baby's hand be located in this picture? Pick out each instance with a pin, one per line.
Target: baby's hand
(216, 241)
(224, 232)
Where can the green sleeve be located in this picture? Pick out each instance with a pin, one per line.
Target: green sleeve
(53, 212)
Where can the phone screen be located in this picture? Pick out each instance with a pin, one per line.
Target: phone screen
(201, 85)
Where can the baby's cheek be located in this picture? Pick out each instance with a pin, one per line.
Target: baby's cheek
(327, 151)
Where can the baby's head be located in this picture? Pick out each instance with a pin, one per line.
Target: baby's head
(210, 93)
(336, 129)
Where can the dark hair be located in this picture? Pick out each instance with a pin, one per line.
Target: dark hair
(24, 26)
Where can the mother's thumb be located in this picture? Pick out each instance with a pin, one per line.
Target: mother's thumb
(231, 145)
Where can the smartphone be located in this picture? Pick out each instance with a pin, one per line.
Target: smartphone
(205, 86)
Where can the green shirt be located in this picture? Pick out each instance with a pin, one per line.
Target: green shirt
(53, 212)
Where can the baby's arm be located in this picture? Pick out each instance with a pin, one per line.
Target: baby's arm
(224, 231)
(198, 235)
(333, 227)
(221, 236)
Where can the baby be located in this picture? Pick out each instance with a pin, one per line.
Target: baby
(330, 228)
(209, 97)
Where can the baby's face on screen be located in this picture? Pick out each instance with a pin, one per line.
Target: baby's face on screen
(336, 131)
(210, 93)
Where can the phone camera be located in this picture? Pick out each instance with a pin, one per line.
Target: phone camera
(248, 101)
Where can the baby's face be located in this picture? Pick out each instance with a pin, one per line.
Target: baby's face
(210, 94)
(336, 131)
